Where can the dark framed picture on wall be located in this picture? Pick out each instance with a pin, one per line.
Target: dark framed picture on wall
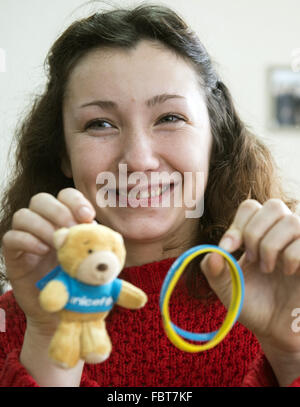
(284, 98)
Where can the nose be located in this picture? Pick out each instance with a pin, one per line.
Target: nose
(102, 267)
(138, 153)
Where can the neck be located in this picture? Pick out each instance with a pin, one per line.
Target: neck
(142, 252)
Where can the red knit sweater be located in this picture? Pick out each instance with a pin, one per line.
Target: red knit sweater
(142, 354)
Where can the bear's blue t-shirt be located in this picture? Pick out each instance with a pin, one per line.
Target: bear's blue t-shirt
(84, 297)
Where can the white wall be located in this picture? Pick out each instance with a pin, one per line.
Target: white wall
(243, 36)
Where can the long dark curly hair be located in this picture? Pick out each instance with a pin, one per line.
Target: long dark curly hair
(241, 166)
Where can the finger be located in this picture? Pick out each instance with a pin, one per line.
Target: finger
(291, 257)
(15, 241)
(216, 270)
(212, 265)
(80, 207)
(233, 237)
(47, 206)
(276, 239)
(260, 223)
(30, 222)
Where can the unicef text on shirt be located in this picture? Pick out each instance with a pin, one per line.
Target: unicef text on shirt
(88, 302)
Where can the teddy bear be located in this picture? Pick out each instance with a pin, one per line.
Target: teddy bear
(83, 288)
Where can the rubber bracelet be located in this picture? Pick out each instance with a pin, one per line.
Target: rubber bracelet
(235, 307)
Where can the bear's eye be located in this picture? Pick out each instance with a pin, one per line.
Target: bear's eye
(90, 251)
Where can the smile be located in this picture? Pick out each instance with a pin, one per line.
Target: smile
(150, 193)
(152, 196)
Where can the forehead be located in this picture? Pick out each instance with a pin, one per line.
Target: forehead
(142, 71)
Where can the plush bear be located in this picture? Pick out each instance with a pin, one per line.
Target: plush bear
(84, 288)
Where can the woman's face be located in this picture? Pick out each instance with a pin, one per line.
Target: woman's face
(169, 134)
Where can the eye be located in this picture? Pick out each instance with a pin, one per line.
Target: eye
(95, 124)
(98, 124)
(172, 116)
(90, 251)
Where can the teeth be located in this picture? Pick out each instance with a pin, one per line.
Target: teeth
(156, 192)
(146, 194)
(165, 188)
(123, 193)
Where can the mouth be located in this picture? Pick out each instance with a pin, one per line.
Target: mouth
(150, 197)
(153, 191)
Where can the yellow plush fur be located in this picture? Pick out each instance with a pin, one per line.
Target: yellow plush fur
(89, 236)
(84, 335)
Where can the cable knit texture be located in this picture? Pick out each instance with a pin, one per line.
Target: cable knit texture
(142, 354)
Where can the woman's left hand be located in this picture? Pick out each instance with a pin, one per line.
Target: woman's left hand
(270, 235)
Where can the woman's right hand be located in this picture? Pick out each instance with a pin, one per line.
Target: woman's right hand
(29, 251)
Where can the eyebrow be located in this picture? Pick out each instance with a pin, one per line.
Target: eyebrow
(110, 105)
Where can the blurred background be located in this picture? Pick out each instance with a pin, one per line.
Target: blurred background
(255, 45)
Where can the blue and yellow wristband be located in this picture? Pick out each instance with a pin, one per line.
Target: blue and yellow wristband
(173, 332)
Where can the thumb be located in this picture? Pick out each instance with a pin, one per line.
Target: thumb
(216, 268)
(216, 271)
(212, 265)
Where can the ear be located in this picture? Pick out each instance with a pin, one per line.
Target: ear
(120, 248)
(59, 237)
(119, 238)
(66, 167)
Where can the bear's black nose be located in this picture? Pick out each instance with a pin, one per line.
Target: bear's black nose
(102, 267)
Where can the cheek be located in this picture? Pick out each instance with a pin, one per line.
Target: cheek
(192, 156)
(193, 164)
(88, 159)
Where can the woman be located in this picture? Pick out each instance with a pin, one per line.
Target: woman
(136, 87)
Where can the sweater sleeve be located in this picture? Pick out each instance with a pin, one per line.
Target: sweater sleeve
(260, 374)
(12, 372)
(86, 381)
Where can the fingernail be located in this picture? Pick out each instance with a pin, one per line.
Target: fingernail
(202, 263)
(85, 212)
(43, 248)
(226, 243)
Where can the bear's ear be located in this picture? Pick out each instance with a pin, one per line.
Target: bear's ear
(120, 248)
(59, 237)
(119, 238)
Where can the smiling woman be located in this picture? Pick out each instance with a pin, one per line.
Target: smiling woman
(115, 79)
(136, 136)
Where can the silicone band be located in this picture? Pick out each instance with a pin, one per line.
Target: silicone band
(235, 307)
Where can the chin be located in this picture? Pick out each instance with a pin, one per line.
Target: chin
(142, 228)
(139, 224)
